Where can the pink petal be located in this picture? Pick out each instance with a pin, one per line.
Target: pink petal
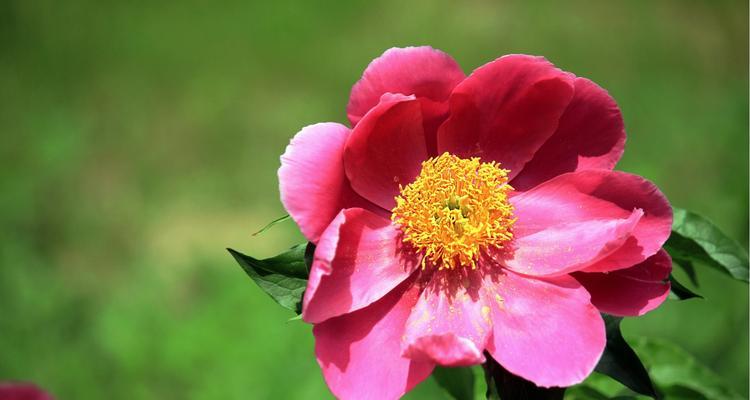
(591, 135)
(568, 247)
(450, 324)
(505, 110)
(420, 71)
(359, 259)
(545, 331)
(312, 182)
(386, 149)
(632, 291)
(592, 195)
(360, 353)
(22, 391)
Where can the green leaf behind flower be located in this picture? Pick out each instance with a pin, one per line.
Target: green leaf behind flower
(620, 362)
(283, 277)
(503, 385)
(458, 382)
(679, 291)
(694, 239)
(678, 374)
(601, 387)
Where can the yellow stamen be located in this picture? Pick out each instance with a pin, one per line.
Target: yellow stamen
(454, 209)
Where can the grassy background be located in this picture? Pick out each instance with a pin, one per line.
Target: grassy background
(139, 139)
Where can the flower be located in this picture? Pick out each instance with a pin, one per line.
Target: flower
(463, 215)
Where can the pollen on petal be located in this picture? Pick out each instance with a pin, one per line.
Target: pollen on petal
(486, 313)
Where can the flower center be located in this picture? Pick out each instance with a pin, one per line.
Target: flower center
(454, 209)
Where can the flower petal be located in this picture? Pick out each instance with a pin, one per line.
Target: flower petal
(632, 291)
(567, 247)
(312, 182)
(450, 324)
(358, 260)
(360, 353)
(386, 149)
(591, 135)
(598, 195)
(505, 110)
(22, 391)
(545, 331)
(420, 71)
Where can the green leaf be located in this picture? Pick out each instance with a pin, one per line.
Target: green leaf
(584, 392)
(272, 223)
(689, 269)
(601, 387)
(680, 291)
(678, 374)
(458, 382)
(290, 263)
(620, 362)
(283, 277)
(502, 384)
(695, 239)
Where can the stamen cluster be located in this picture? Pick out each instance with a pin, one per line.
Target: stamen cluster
(454, 209)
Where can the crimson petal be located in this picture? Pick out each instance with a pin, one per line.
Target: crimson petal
(633, 291)
(386, 149)
(591, 135)
(505, 110)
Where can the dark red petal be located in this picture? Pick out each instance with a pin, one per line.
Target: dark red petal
(420, 71)
(22, 391)
(386, 149)
(633, 291)
(591, 135)
(505, 110)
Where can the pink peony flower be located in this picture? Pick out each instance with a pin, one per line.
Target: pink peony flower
(463, 215)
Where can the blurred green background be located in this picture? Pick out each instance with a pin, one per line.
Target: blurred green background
(139, 139)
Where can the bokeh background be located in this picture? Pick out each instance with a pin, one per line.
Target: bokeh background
(139, 139)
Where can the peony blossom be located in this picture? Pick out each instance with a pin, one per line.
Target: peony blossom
(468, 215)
